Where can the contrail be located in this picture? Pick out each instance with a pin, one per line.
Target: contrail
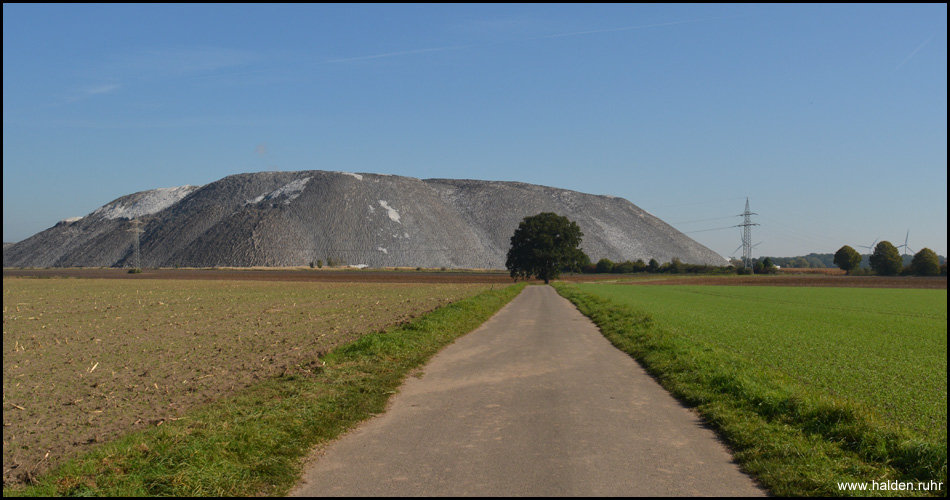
(400, 53)
(101, 89)
(912, 54)
(87, 92)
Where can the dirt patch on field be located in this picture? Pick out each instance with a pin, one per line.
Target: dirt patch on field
(88, 360)
(274, 274)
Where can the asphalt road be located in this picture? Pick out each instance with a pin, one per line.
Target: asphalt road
(534, 402)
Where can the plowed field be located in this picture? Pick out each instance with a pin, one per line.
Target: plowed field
(86, 360)
(273, 274)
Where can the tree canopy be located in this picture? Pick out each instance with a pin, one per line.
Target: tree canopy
(605, 265)
(926, 263)
(886, 260)
(544, 244)
(847, 258)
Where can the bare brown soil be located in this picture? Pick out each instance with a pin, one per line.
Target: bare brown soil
(88, 360)
(273, 274)
(811, 270)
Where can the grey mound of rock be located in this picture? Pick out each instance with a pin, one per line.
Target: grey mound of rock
(295, 218)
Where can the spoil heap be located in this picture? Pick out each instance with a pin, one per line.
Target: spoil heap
(295, 218)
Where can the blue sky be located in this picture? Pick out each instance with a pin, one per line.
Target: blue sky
(831, 119)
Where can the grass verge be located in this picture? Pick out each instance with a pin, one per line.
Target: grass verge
(254, 443)
(795, 441)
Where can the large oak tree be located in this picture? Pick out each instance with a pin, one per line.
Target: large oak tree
(542, 245)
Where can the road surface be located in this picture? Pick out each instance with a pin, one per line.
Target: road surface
(534, 402)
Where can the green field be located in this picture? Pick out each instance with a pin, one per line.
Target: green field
(809, 385)
(883, 348)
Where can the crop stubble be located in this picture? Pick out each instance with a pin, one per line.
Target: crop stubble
(87, 360)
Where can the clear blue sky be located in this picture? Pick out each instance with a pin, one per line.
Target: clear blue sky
(832, 119)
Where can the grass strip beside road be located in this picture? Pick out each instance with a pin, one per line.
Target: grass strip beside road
(254, 443)
(794, 440)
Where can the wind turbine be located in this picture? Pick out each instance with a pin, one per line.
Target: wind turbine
(753, 246)
(904, 246)
(870, 248)
(733, 254)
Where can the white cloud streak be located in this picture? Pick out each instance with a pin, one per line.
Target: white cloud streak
(91, 91)
(400, 53)
(908, 58)
(165, 63)
(101, 89)
(129, 69)
(171, 63)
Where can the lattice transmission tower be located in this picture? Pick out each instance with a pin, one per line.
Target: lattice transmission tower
(137, 231)
(747, 235)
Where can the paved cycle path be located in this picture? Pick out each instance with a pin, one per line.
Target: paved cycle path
(534, 402)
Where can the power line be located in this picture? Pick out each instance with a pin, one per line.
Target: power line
(774, 229)
(705, 220)
(746, 226)
(698, 203)
(705, 230)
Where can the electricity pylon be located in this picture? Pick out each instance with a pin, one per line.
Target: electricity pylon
(137, 231)
(747, 235)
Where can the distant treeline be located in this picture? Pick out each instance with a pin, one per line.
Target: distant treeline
(812, 260)
(768, 265)
(827, 260)
(630, 267)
